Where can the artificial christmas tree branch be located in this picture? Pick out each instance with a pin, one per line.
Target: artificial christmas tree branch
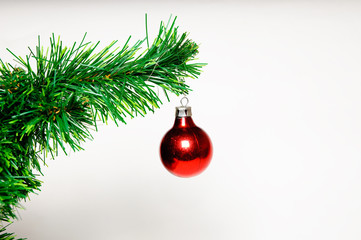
(55, 96)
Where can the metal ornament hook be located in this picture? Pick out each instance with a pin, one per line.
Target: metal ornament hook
(184, 99)
(184, 110)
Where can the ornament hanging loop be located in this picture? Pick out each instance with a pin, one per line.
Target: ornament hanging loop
(184, 99)
(184, 110)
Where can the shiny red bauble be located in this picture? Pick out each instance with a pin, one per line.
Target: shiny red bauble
(186, 150)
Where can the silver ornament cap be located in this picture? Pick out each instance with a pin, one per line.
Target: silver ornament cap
(183, 111)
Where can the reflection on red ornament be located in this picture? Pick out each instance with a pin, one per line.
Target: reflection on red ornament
(186, 150)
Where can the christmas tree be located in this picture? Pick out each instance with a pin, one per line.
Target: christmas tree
(52, 99)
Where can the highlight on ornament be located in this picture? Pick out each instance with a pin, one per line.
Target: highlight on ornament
(52, 98)
(186, 150)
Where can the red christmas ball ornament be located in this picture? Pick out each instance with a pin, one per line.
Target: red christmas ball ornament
(186, 150)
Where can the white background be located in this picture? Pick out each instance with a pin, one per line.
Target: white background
(280, 99)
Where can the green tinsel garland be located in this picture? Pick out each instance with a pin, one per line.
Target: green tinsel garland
(54, 105)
